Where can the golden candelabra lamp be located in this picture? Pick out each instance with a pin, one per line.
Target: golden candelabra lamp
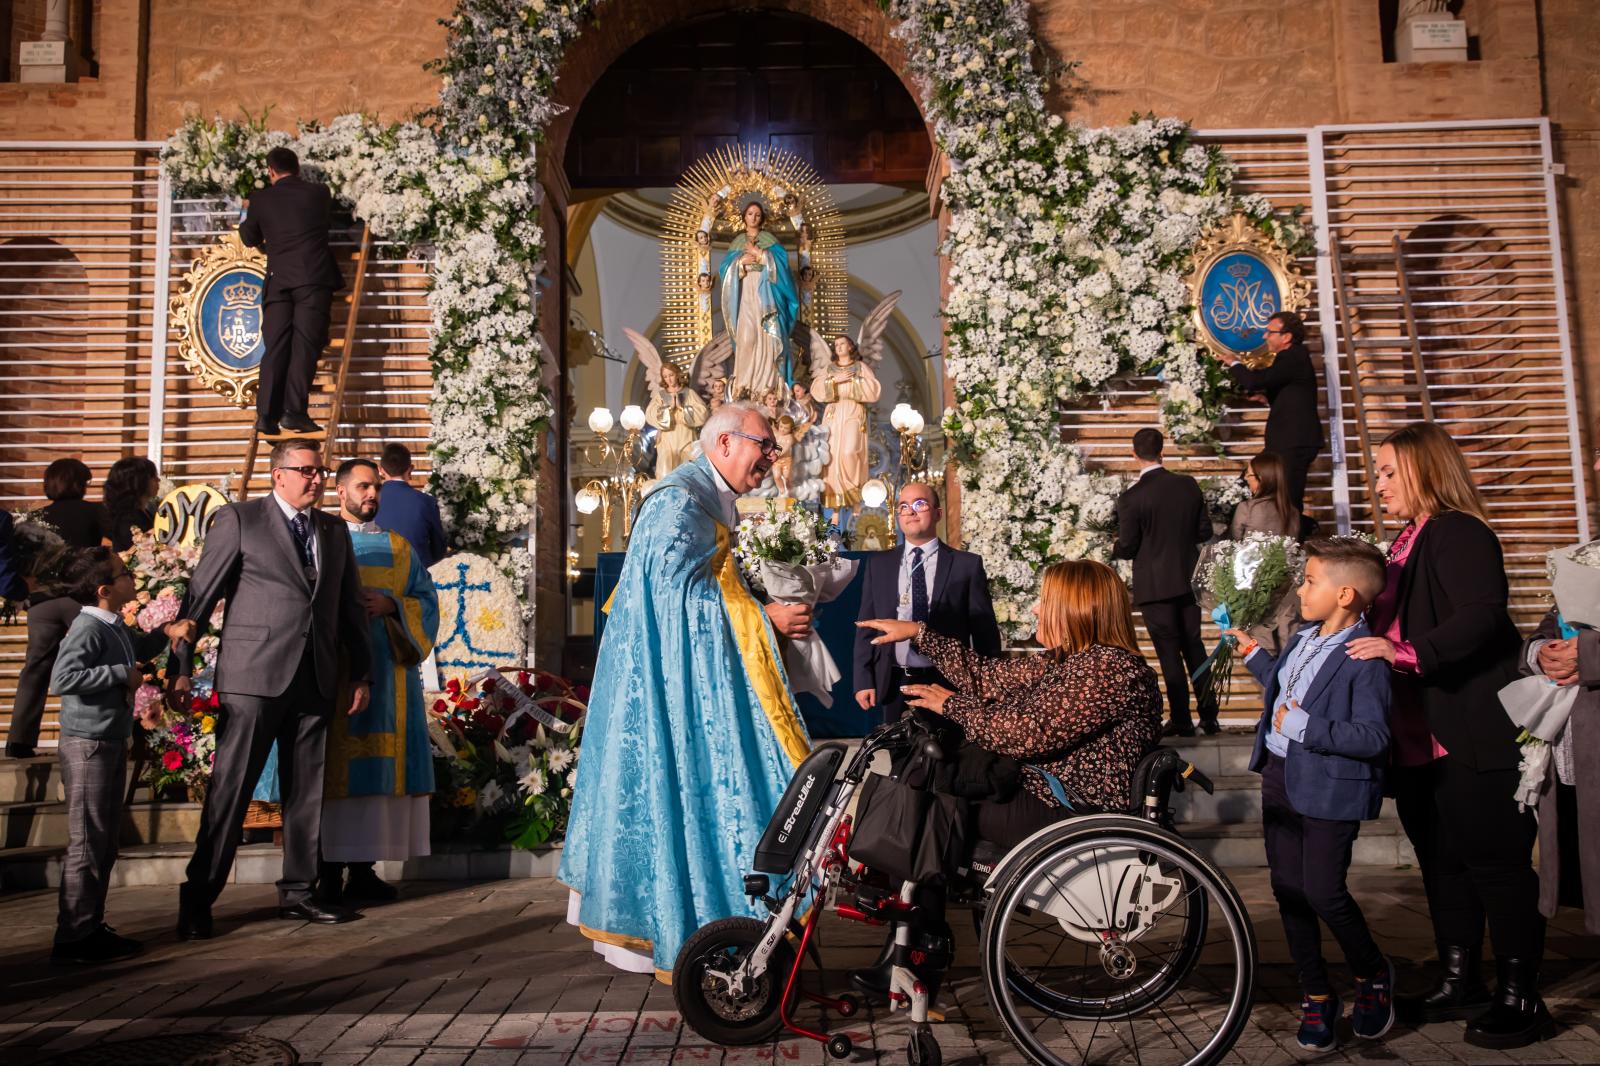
(624, 482)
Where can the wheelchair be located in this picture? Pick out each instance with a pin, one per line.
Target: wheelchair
(1104, 937)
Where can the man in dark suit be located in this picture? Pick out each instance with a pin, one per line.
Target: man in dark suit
(291, 219)
(288, 574)
(1161, 523)
(407, 511)
(1294, 429)
(922, 580)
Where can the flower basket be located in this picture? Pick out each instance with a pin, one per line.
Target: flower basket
(505, 758)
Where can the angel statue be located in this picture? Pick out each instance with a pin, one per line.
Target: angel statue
(759, 306)
(842, 377)
(676, 410)
(798, 429)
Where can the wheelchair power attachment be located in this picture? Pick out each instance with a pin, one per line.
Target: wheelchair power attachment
(1104, 938)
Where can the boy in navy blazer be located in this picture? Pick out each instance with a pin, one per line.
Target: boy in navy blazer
(1320, 748)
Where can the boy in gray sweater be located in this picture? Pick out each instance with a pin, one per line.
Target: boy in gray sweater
(96, 674)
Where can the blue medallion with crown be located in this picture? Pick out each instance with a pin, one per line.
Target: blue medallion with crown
(231, 313)
(1242, 276)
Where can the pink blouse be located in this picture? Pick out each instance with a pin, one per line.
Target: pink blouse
(1412, 742)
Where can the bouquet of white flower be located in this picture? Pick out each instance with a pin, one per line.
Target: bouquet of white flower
(1243, 583)
(1223, 495)
(793, 556)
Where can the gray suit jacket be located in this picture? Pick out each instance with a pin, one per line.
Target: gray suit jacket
(250, 560)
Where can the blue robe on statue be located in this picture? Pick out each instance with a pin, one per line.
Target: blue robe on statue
(691, 737)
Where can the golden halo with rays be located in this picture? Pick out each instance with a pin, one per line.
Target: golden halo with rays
(711, 197)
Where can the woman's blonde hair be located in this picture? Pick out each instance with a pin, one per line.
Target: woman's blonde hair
(1083, 603)
(1435, 472)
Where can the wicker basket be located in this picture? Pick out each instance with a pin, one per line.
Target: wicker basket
(263, 815)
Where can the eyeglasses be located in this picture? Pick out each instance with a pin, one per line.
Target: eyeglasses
(310, 473)
(919, 506)
(1279, 332)
(768, 446)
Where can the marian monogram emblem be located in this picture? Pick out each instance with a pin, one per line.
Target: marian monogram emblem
(1242, 277)
(216, 315)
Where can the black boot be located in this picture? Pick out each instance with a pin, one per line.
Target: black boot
(1518, 1017)
(1460, 992)
(365, 884)
(873, 981)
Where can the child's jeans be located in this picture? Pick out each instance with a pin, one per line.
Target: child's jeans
(1309, 858)
(93, 772)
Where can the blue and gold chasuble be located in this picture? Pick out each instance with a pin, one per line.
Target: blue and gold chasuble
(691, 738)
(384, 750)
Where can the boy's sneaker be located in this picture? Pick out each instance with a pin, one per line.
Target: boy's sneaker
(102, 945)
(1318, 1017)
(1373, 1014)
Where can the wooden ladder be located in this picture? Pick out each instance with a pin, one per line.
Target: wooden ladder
(1396, 350)
(345, 344)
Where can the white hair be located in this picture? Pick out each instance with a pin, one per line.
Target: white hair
(729, 418)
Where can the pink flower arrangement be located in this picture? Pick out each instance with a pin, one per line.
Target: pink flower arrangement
(158, 612)
(147, 705)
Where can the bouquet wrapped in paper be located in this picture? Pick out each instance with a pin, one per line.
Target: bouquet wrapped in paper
(1244, 584)
(793, 557)
(1537, 705)
(1575, 581)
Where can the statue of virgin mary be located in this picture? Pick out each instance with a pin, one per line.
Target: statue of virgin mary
(759, 305)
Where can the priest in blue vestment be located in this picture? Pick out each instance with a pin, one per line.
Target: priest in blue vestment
(692, 732)
(379, 772)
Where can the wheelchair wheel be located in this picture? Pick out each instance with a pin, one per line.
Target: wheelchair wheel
(1113, 939)
(705, 1002)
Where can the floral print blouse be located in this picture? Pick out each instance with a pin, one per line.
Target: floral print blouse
(1103, 703)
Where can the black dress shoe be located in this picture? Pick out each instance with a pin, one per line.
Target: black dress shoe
(1518, 1016)
(365, 884)
(1459, 993)
(300, 424)
(1178, 729)
(267, 428)
(194, 924)
(102, 945)
(1210, 727)
(20, 751)
(309, 910)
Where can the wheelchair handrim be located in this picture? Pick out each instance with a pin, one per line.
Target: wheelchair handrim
(1169, 849)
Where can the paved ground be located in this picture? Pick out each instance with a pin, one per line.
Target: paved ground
(489, 975)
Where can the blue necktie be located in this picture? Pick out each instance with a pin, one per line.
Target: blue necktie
(919, 587)
(301, 527)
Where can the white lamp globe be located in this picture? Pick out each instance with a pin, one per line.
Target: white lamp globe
(914, 422)
(874, 493)
(600, 420)
(587, 501)
(901, 416)
(633, 418)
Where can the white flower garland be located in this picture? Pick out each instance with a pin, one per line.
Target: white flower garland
(1066, 248)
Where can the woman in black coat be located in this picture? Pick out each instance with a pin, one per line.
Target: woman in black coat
(1443, 625)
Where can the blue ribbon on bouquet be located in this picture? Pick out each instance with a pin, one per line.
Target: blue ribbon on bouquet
(1568, 630)
(1219, 615)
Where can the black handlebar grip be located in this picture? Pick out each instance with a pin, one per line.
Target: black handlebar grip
(1191, 772)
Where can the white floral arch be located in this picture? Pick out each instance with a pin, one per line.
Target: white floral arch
(1066, 249)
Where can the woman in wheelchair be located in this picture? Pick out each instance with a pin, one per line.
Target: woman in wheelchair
(1078, 717)
(1070, 725)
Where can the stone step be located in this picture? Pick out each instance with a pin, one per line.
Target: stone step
(44, 824)
(1224, 754)
(1232, 846)
(1235, 801)
(30, 780)
(36, 868)
(1237, 845)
